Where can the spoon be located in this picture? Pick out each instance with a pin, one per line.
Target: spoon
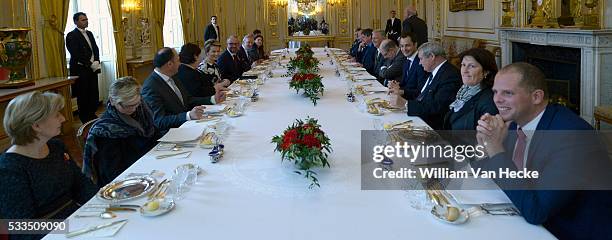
(103, 215)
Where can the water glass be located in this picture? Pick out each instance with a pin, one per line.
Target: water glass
(178, 186)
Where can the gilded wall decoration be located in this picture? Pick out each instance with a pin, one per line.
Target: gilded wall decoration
(463, 5)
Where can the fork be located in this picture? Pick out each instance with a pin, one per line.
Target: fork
(500, 212)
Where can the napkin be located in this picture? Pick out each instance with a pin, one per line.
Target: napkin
(214, 108)
(104, 232)
(182, 134)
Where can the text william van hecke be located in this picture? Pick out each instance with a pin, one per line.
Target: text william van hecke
(448, 173)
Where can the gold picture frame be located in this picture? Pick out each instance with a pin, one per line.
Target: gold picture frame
(463, 5)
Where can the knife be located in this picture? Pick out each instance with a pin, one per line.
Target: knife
(94, 228)
(111, 205)
(172, 154)
(108, 209)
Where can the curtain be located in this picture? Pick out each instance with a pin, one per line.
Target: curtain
(158, 12)
(55, 14)
(121, 65)
(185, 19)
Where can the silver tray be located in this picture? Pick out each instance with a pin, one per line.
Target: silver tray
(127, 189)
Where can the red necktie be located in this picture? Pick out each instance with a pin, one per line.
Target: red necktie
(235, 60)
(519, 149)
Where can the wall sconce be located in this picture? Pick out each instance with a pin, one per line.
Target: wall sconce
(131, 5)
(333, 2)
(280, 3)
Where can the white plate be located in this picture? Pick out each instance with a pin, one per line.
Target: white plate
(165, 205)
(212, 109)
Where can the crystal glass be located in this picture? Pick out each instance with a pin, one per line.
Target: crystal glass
(178, 186)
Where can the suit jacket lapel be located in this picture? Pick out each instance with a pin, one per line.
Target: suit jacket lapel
(536, 140)
(170, 91)
(434, 80)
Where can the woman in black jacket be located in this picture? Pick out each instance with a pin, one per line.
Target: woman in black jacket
(194, 80)
(474, 98)
(123, 134)
(38, 178)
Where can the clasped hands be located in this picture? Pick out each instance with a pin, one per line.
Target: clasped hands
(491, 132)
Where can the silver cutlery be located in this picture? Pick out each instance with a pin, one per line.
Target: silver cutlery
(173, 154)
(111, 206)
(103, 215)
(94, 228)
(156, 189)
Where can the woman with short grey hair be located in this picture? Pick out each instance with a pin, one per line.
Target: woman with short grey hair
(38, 178)
(123, 134)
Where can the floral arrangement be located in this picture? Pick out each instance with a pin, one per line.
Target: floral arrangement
(304, 61)
(306, 145)
(310, 82)
(305, 50)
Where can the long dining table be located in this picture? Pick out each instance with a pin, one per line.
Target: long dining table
(251, 194)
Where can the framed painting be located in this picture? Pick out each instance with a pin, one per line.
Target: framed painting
(462, 5)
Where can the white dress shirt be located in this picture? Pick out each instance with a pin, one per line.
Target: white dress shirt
(433, 75)
(529, 129)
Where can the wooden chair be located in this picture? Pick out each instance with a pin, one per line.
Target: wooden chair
(602, 113)
(82, 133)
(81, 137)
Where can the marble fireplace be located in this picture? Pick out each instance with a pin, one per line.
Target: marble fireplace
(576, 62)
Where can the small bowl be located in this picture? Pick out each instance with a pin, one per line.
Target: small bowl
(165, 205)
(440, 213)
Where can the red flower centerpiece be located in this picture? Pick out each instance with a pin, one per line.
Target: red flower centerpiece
(306, 145)
(311, 83)
(303, 62)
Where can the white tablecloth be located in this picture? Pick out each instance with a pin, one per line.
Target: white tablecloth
(250, 194)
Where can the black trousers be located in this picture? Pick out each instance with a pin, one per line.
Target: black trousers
(85, 88)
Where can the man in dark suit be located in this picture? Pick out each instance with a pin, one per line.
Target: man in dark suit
(413, 73)
(367, 51)
(171, 103)
(377, 37)
(232, 63)
(531, 134)
(414, 24)
(356, 42)
(84, 63)
(394, 62)
(440, 88)
(212, 30)
(248, 50)
(393, 28)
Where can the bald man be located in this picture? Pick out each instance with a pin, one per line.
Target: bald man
(231, 62)
(415, 25)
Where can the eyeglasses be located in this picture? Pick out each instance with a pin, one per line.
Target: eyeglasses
(130, 106)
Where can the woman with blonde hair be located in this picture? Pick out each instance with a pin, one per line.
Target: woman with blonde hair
(38, 178)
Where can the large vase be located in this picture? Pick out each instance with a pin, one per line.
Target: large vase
(15, 51)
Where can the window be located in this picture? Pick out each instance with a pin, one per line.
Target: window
(173, 27)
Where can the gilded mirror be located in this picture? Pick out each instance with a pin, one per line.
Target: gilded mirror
(307, 18)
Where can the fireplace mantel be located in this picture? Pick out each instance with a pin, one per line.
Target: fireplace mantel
(596, 59)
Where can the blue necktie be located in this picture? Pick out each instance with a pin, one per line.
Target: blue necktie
(406, 71)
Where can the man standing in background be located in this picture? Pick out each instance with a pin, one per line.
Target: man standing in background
(415, 25)
(393, 28)
(212, 30)
(84, 63)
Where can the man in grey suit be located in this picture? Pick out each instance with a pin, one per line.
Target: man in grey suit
(172, 105)
(394, 61)
(415, 25)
